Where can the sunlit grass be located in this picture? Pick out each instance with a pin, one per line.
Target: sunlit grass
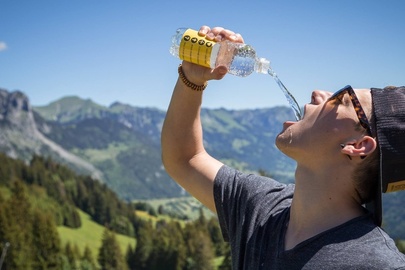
(90, 234)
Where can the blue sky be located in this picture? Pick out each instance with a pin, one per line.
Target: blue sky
(118, 50)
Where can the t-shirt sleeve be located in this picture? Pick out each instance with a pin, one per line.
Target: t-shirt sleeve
(244, 201)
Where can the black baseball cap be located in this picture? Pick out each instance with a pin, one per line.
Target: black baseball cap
(389, 112)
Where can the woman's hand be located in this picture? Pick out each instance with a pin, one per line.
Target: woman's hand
(198, 74)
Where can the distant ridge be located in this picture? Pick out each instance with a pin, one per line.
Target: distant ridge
(20, 137)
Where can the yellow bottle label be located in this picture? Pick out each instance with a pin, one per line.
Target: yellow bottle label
(195, 49)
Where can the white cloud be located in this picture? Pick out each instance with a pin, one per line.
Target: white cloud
(3, 46)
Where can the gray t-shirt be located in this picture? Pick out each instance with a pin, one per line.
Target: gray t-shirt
(253, 212)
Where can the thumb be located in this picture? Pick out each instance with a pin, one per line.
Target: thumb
(219, 72)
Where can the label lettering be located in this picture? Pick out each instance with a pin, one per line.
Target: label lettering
(195, 49)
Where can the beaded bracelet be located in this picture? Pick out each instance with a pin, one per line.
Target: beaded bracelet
(189, 84)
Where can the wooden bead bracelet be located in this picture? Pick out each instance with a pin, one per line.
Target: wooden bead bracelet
(189, 84)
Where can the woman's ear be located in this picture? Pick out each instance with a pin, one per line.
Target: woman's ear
(362, 147)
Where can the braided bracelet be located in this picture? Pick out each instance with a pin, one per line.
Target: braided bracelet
(189, 84)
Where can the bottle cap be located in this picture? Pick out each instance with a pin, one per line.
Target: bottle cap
(262, 65)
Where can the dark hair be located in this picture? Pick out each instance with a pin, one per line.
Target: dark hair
(367, 174)
(366, 177)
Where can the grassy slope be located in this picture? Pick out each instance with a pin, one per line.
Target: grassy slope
(185, 205)
(91, 233)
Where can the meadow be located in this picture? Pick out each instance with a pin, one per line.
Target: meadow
(90, 234)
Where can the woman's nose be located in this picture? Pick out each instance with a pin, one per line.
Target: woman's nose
(319, 96)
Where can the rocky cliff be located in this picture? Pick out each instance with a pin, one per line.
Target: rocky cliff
(20, 137)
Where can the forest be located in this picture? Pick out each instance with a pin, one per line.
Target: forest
(39, 197)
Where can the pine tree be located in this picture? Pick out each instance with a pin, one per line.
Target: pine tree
(71, 217)
(100, 208)
(19, 228)
(4, 222)
(200, 252)
(169, 250)
(178, 253)
(130, 258)
(216, 236)
(46, 242)
(201, 222)
(71, 255)
(203, 255)
(87, 261)
(144, 245)
(110, 256)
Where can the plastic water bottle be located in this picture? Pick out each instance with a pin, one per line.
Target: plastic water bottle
(240, 59)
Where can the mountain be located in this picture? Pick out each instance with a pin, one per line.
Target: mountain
(120, 144)
(20, 136)
(124, 142)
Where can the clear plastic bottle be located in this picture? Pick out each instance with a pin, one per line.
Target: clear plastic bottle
(240, 59)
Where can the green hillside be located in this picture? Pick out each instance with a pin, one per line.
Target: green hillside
(90, 234)
(186, 207)
(55, 219)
